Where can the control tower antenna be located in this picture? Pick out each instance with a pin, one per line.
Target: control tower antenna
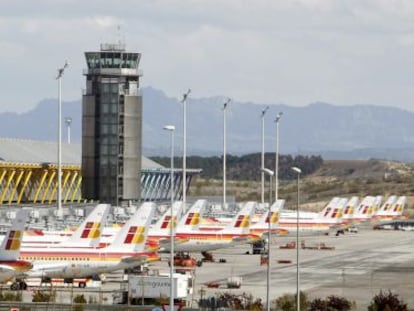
(120, 35)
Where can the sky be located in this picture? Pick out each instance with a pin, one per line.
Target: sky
(291, 52)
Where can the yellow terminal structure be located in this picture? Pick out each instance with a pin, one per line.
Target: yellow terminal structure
(24, 183)
(28, 174)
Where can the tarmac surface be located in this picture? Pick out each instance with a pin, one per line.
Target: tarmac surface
(360, 265)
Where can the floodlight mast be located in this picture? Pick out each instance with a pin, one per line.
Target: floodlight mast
(184, 101)
(298, 171)
(171, 129)
(262, 116)
(279, 115)
(224, 151)
(59, 194)
(269, 237)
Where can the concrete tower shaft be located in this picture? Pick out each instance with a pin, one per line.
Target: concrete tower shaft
(112, 126)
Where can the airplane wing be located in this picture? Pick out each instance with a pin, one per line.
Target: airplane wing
(141, 259)
(240, 239)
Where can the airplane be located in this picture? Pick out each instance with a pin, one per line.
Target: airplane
(314, 223)
(272, 216)
(349, 209)
(10, 265)
(392, 208)
(160, 232)
(363, 212)
(126, 251)
(238, 231)
(88, 234)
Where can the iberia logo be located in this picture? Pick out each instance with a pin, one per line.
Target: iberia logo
(135, 235)
(242, 221)
(274, 217)
(167, 220)
(13, 240)
(91, 230)
(193, 219)
(349, 210)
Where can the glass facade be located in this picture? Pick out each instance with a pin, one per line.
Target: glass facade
(99, 60)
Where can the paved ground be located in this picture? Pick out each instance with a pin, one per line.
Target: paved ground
(359, 267)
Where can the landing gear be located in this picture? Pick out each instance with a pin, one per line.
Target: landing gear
(18, 285)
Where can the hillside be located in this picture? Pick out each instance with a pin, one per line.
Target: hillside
(333, 178)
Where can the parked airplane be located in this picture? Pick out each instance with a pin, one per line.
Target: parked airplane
(10, 265)
(392, 208)
(88, 234)
(314, 223)
(363, 212)
(126, 251)
(272, 216)
(234, 233)
(351, 205)
(188, 223)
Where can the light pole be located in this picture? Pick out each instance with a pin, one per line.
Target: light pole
(279, 115)
(68, 121)
(262, 167)
(224, 151)
(171, 128)
(184, 101)
(298, 171)
(270, 173)
(59, 194)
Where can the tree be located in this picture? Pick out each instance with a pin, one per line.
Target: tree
(332, 303)
(318, 304)
(387, 302)
(336, 303)
(287, 302)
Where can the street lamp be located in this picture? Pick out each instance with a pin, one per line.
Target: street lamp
(184, 101)
(59, 194)
(270, 173)
(171, 128)
(68, 121)
(298, 171)
(279, 115)
(224, 151)
(262, 167)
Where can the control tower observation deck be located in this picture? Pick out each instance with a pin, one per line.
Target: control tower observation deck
(112, 126)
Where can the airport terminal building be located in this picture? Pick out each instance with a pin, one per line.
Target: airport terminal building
(28, 174)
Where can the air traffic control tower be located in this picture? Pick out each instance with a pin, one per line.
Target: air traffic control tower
(112, 126)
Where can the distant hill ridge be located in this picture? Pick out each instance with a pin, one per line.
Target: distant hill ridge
(337, 132)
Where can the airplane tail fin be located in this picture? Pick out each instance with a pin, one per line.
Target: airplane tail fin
(398, 207)
(133, 235)
(349, 209)
(376, 205)
(272, 215)
(387, 206)
(364, 209)
(89, 232)
(329, 209)
(241, 222)
(10, 247)
(162, 226)
(191, 220)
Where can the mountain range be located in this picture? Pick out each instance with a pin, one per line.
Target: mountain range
(335, 132)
